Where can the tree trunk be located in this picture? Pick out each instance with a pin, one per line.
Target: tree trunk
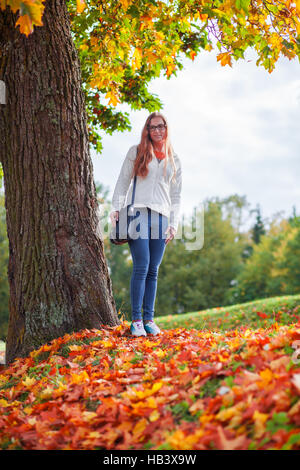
(58, 276)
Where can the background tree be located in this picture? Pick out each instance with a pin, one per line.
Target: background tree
(287, 266)
(273, 267)
(258, 229)
(60, 62)
(202, 277)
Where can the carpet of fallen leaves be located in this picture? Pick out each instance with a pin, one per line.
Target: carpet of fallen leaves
(183, 389)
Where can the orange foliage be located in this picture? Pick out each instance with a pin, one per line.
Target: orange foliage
(184, 389)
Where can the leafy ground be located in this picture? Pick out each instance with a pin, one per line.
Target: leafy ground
(231, 387)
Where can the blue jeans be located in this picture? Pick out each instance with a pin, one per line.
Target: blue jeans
(147, 251)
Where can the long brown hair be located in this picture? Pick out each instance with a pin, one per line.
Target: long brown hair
(145, 150)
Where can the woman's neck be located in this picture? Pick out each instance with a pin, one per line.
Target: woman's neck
(159, 147)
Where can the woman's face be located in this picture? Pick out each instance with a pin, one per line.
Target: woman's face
(157, 130)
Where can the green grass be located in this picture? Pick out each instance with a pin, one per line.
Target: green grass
(283, 310)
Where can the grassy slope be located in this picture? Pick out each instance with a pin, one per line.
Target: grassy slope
(283, 310)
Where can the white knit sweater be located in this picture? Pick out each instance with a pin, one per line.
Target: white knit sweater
(155, 191)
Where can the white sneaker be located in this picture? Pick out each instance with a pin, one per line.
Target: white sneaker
(137, 328)
(151, 328)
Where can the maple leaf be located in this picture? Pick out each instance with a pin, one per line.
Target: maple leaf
(230, 444)
(147, 392)
(259, 423)
(81, 5)
(31, 13)
(140, 426)
(224, 58)
(154, 416)
(170, 69)
(46, 393)
(28, 382)
(262, 315)
(25, 23)
(113, 98)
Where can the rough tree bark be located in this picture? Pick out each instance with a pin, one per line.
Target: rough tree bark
(58, 276)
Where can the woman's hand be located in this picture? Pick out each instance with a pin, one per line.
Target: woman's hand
(114, 216)
(172, 232)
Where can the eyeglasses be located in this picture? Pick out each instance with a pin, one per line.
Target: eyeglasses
(159, 128)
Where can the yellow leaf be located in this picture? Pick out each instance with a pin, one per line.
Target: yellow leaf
(140, 426)
(266, 377)
(257, 416)
(154, 416)
(151, 57)
(160, 353)
(259, 423)
(79, 378)
(36, 10)
(88, 415)
(203, 16)
(170, 69)
(25, 24)
(146, 22)
(224, 58)
(125, 4)
(226, 414)
(4, 403)
(150, 344)
(208, 47)
(179, 441)
(28, 382)
(160, 35)
(148, 392)
(113, 99)
(27, 410)
(94, 435)
(81, 5)
(30, 15)
(137, 58)
(32, 421)
(148, 403)
(75, 347)
(47, 393)
(94, 40)
(206, 418)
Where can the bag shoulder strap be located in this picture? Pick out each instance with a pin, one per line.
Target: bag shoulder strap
(133, 190)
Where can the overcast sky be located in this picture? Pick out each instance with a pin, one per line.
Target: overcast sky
(236, 131)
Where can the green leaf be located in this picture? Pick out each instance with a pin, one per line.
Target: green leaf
(278, 421)
(134, 11)
(293, 439)
(243, 5)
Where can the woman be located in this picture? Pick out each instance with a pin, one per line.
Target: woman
(157, 195)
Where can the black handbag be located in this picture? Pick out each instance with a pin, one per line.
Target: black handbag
(120, 233)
